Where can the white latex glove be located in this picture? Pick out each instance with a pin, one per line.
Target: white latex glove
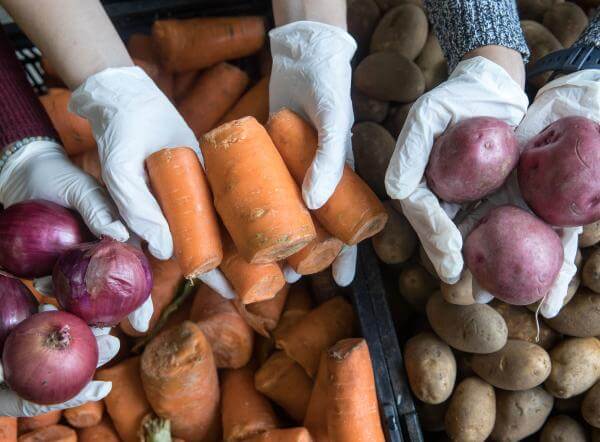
(312, 75)
(477, 87)
(12, 405)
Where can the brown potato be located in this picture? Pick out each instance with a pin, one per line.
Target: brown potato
(431, 417)
(566, 21)
(472, 411)
(368, 109)
(562, 428)
(591, 271)
(402, 29)
(430, 367)
(519, 365)
(396, 118)
(475, 328)
(590, 407)
(377, 77)
(540, 42)
(521, 325)
(396, 243)
(386, 5)
(432, 62)
(373, 147)
(416, 286)
(534, 9)
(520, 413)
(460, 293)
(362, 17)
(590, 235)
(575, 367)
(580, 317)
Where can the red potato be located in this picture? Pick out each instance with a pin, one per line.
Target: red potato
(559, 172)
(472, 159)
(513, 255)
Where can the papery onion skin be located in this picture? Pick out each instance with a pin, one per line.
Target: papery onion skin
(33, 234)
(17, 303)
(102, 282)
(49, 357)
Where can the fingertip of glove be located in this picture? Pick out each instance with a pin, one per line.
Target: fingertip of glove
(162, 251)
(115, 230)
(290, 274)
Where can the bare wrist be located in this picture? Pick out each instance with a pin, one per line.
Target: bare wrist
(509, 59)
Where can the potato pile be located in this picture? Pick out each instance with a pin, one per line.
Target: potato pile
(476, 371)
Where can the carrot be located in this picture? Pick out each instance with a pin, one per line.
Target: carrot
(318, 254)
(53, 433)
(141, 46)
(323, 287)
(41, 299)
(86, 415)
(316, 412)
(245, 412)
(187, 45)
(255, 195)
(353, 412)
(102, 432)
(263, 348)
(126, 403)
(299, 434)
(166, 277)
(89, 162)
(263, 316)
(285, 383)
(315, 332)
(27, 424)
(180, 186)
(8, 429)
(183, 83)
(180, 380)
(297, 305)
(215, 91)
(251, 282)
(353, 212)
(75, 132)
(254, 103)
(230, 338)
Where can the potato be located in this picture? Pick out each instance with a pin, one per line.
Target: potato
(377, 77)
(431, 417)
(566, 21)
(397, 241)
(416, 286)
(562, 428)
(590, 235)
(590, 407)
(568, 193)
(368, 109)
(475, 328)
(520, 413)
(432, 62)
(591, 272)
(386, 5)
(460, 293)
(534, 9)
(541, 42)
(396, 118)
(472, 159)
(402, 29)
(575, 367)
(472, 411)
(430, 367)
(515, 271)
(521, 324)
(519, 365)
(580, 317)
(373, 147)
(362, 17)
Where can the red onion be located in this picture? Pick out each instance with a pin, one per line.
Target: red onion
(17, 303)
(34, 233)
(102, 282)
(49, 357)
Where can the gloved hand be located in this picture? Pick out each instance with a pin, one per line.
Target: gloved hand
(477, 87)
(312, 75)
(131, 119)
(12, 405)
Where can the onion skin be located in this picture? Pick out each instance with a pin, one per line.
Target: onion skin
(102, 282)
(17, 303)
(49, 357)
(33, 234)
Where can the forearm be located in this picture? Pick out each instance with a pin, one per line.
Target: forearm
(76, 36)
(591, 35)
(331, 12)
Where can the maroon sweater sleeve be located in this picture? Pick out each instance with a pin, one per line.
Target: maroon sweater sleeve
(21, 113)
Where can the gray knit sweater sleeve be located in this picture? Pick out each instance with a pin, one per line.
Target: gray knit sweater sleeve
(591, 35)
(464, 25)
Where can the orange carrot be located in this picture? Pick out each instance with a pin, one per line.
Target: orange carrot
(166, 277)
(53, 433)
(42, 299)
(86, 415)
(316, 412)
(263, 348)
(299, 434)
(75, 132)
(245, 412)
(254, 103)
(255, 195)
(187, 45)
(263, 316)
(180, 186)
(251, 282)
(180, 380)
(183, 83)
(229, 336)
(89, 162)
(215, 91)
(318, 330)
(141, 46)
(353, 212)
(353, 411)
(318, 254)
(126, 403)
(297, 305)
(27, 424)
(8, 429)
(285, 383)
(103, 432)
